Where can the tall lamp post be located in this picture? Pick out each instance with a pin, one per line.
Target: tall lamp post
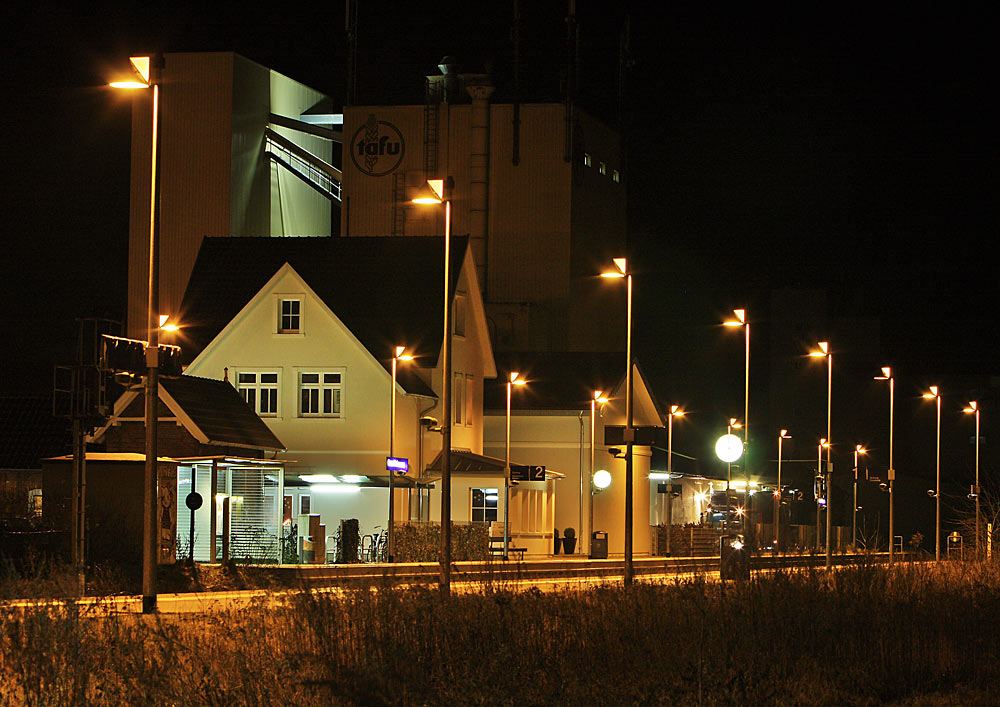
(440, 191)
(858, 449)
(598, 397)
(513, 380)
(824, 352)
(675, 411)
(782, 436)
(741, 321)
(148, 70)
(400, 355)
(973, 409)
(887, 376)
(934, 394)
(819, 480)
(621, 271)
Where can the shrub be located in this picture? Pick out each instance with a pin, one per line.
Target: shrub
(421, 542)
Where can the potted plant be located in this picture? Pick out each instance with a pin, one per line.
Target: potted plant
(569, 541)
(555, 535)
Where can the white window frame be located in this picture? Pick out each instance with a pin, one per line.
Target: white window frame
(469, 398)
(484, 508)
(322, 385)
(458, 399)
(280, 314)
(459, 315)
(258, 387)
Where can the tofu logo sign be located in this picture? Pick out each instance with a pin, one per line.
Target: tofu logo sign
(377, 147)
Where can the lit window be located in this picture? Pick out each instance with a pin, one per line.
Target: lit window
(603, 168)
(290, 316)
(484, 505)
(459, 315)
(319, 394)
(458, 397)
(616, 175)
(260, 390)
(35, 503)
(586, 159)
(305, 504)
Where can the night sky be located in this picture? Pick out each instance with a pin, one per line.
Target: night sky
(843, 149)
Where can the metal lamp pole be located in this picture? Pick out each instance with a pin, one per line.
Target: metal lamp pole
(399, 356)
(741, 321)
(149, 70)
(858, 449)
(934, 394)
(513, 380)
(598, 398)
(441, 192)
(824, 352)
(782, 436)
(819, 478)
(621, 271)
(675, 411)
(887, 376)
(974, 409)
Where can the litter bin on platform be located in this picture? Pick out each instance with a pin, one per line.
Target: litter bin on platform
(734, 560)
(598, 545)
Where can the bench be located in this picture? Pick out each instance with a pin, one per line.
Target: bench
(496, 548)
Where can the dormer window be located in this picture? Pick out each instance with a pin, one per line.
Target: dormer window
(290, 316)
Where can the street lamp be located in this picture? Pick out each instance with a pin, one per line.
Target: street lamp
(598, 397)
(858, 449)
(782, 436)
(439, 191)
(824, 352)
(741, 321)
(934, 394)
(621, 271)
(400, 355)
(148, 70)
(675, 411)
(973, 409)
(887, 376)
(513, 380)
(826, 496)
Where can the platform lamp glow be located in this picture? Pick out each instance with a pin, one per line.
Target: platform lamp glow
(437, 191)
(514, 379)
(621, 271)
(741, 321)
(858, 450)
(675, 411)
(782, 436)
(598, 397)
(933, 393)
(147, 70)
(887, 376)
(973, 409)
(400, 355)
(823, 351)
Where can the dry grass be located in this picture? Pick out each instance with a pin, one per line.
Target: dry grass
(919, 635)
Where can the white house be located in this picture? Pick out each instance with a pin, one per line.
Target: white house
(306, 329)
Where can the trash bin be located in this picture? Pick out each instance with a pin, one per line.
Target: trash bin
(598, 545)
(734, 560)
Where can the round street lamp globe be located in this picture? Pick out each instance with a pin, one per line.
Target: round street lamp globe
(602, 479)
(729, 448)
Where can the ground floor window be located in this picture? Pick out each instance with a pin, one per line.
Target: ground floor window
(484, 505)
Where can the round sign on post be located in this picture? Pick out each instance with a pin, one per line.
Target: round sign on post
(193, 500)
(729, 448)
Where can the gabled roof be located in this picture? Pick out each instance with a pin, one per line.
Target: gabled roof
(218, 411)
(212, 411)
(386, 290)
